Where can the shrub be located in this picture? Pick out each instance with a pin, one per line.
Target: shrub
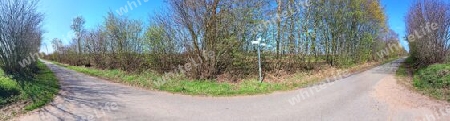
(8, 89)
(435, 76)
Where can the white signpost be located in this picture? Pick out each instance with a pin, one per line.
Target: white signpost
(259, 44)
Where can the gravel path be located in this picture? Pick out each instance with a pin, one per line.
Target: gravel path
(372, 95)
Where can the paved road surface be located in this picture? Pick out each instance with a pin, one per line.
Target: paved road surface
(372, 95)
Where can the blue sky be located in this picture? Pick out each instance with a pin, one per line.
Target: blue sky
(396, 11)
(59, 15)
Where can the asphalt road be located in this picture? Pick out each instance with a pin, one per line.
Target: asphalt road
(368, 96)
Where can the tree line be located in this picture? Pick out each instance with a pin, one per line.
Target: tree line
(217, 35)
(428, 29)
(20, 35)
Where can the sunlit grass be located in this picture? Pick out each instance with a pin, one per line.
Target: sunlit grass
(36, 91)
(434, 80)
(9, 89)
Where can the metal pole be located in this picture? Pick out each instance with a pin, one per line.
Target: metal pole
(259, 62)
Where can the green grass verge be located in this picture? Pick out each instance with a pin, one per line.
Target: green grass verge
(179, 84)
(36, 91)
(405, 68)
(433, 80)
(9, 89)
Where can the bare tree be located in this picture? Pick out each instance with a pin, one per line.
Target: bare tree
(78, 27)
(20, 35)
(428, 27)
(302, 36)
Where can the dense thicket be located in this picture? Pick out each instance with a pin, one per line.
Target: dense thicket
(20, 35)
(213, 37)
(428, 28)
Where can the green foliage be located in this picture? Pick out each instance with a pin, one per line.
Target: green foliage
(38, 90)
(405, 72)
(154, 37)
(434, 80)
(9, 89)
(436, 76)
(410, 60)
(42, 88)
(402, 71)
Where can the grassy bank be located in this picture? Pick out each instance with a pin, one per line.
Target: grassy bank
(433, 80)
(178, 84)
(27, 93)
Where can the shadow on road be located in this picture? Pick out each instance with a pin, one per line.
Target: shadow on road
(81, 97)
